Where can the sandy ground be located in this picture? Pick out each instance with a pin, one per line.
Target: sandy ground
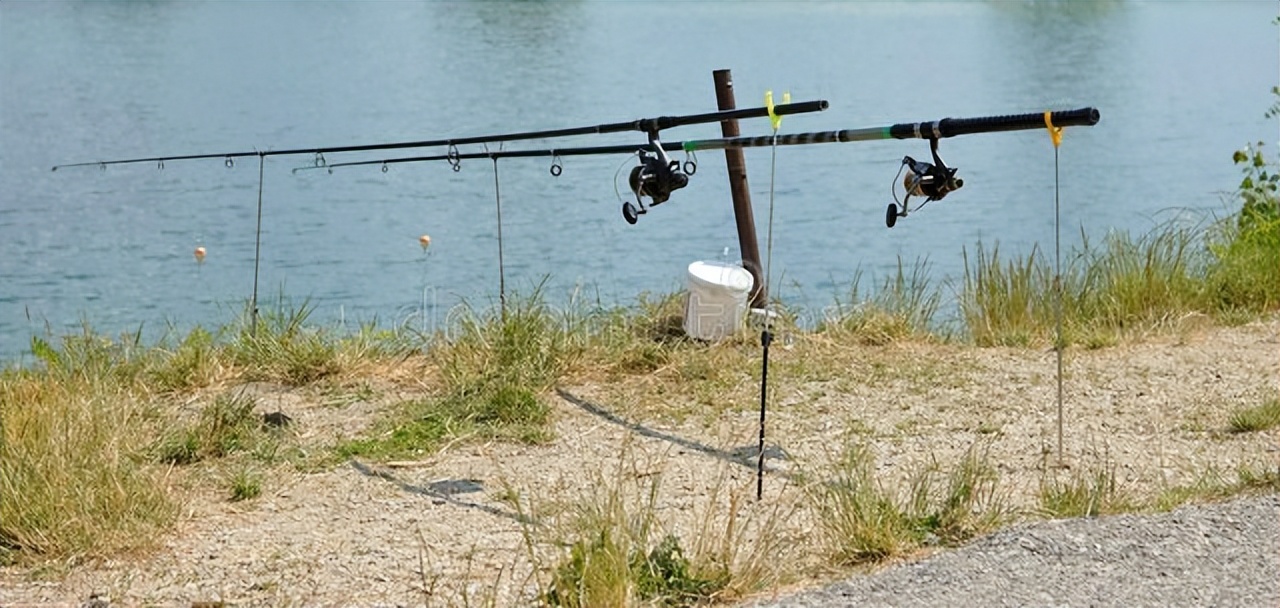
(455, 529)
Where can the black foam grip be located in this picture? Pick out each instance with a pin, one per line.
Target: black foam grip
(951, 127)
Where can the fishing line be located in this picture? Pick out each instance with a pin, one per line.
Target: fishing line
(257, 248)
(502, 275)
(425, 242)
(623, 164)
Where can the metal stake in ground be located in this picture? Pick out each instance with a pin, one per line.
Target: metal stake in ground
(766, 336)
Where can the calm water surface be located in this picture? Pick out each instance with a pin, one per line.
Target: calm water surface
(1180, 86)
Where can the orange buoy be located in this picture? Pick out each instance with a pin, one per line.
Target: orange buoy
(200, 255)
(425, 241)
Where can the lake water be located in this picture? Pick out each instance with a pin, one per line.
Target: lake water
(1180, 87)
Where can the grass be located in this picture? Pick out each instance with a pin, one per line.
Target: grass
(613, 547)
(1214, 485)
(1087, 492)
(1261, 417)
(1226, 268)
(862, 519)
(281, 347)
(72, 439)
(1127, 285)
(90, 435)
(617, 556)
(244, 484)
(494, 371)
(224, 426)
(905, 306)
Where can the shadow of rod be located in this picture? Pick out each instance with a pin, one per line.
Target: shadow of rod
(744, 456)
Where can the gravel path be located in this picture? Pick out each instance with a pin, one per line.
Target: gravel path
(1224, 554)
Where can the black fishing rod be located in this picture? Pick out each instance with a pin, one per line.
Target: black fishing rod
(657, 176)
(645, 125)
(937, 129)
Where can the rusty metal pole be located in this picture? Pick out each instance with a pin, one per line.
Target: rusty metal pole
(737, 166)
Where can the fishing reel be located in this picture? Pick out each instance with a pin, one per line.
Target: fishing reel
(656, 177)
(932, 181)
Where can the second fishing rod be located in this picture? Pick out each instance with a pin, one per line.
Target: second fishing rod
(650, 126)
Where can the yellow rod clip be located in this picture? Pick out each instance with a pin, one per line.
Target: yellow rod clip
(1054, 132)
(768, 103)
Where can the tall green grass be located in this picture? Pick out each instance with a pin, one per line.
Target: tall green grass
(73, 440)
(280, 346)
(1006, 303)
(1127, 284)
(905, 306)
(1089, 490)
(1229, 268)
(620, 557)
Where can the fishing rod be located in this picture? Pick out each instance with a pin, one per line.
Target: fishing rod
(935, 180)
(645, 125)
(657, 175)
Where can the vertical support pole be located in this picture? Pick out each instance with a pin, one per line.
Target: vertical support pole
(737, 166)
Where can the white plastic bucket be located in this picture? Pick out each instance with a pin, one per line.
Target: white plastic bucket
(717, 298)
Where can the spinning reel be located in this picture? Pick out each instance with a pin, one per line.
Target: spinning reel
(656, 177)
(932, 181)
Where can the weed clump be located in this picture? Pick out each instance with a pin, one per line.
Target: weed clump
(495, 369)
(618, 556)
(862, 520)
(1087, 492)
(281, 347)
(225, 426)
(1256, 418)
